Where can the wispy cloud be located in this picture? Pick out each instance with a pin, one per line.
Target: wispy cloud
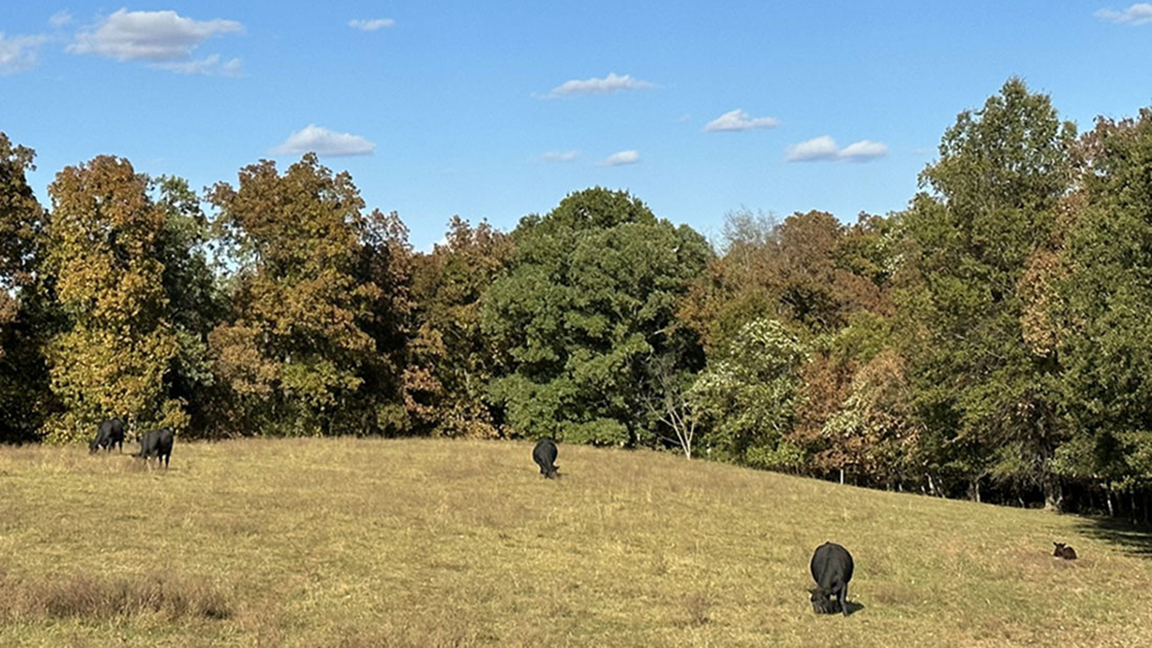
(371, 24)
(824, 148)
(863, 151)
(18, 53)
(1137, 14)
(324, 142)
(608, 85)
(622, 157)
(156, 36)
(60, 18)
(210, 66)
(738, 120)
(558, 156)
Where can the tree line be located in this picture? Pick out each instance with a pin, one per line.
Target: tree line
(993, 340)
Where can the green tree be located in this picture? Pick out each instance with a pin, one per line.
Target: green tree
(749, 396)
(194, 304)
(26, 313)
(989, 399)
(585, 310)
(118, 344)
(1094, 298)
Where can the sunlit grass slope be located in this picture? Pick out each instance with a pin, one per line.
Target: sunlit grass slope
(452, 543)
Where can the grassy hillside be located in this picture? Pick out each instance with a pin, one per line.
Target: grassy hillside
(441, 543)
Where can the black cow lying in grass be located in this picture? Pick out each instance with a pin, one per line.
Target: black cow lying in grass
(832, 569)
(109, 433)
(157, 443)
(544, 454)
(1064, 551)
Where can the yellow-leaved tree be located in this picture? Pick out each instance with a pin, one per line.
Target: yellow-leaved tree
(112, 357)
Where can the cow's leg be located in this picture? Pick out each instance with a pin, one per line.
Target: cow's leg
(844, 599)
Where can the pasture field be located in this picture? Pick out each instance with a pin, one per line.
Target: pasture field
(370, 542)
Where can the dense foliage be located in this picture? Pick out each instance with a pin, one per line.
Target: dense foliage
(993, 340)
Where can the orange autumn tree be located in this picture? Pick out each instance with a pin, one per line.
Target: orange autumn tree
(310, 345)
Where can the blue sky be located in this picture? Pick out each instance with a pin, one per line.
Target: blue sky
(499, 109)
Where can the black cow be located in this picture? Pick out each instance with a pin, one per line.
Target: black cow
(832, 569)
(544, 454)
(1064, 551)
(109, 433)
(157, 443)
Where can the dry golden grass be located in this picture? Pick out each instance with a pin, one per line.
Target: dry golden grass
(347, 542)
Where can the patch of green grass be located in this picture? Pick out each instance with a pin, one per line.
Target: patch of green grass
(350, 542)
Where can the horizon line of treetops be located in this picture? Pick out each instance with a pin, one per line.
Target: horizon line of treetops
(991, 341)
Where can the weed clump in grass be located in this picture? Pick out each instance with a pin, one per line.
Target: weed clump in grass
(698, 606)
(86, 596)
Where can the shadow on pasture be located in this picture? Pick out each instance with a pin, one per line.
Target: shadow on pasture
(854, 607)
(1135, 538)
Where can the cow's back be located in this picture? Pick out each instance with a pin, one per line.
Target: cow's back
(149, 443)
(544, 454)
(831, 565)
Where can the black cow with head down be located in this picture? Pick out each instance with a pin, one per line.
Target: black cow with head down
(832, 569)
(544, 454)
(157, 443)
(109, 433)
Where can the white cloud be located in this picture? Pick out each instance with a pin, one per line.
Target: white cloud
(825, 148)
(738, 120)
(558, 156)
(371, 25)
(18, 53)
(863, 151)
(324, 142)
(60, 18)
(623, 157)
(157, 36)
(820, 148)
(1139, 13)
(443, 242)
(210, 66)
(607, 85)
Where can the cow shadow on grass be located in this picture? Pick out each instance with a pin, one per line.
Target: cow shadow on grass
(1132, 537)
(853, 608)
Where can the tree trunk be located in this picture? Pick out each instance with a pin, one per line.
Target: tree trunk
(1053, 495)
(1108, 499)
(841, 474)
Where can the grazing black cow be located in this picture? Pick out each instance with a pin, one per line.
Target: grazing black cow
(832, 569)
(1064, 551)
(544, 454)
(109, 433)
(157, 443)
